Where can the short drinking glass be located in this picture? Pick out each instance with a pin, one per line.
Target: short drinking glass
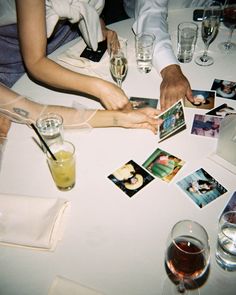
(63, 168)
(226, 243)
(50, 126)
(187, 37)
(144, 45)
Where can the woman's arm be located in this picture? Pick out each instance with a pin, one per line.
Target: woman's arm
(33, 41)
(14, 105)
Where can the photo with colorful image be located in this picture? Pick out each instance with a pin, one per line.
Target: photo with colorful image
(222, 111)
(131, 178)
(202, 99)
(224, 88)
(172, 121)
(163, 165)
(231, 204)
(201, 187)
(142, 102)
(206, 125)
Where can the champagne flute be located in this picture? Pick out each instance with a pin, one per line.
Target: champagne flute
(118, 61)
(209, 31)
(187, 257)
(229, 19)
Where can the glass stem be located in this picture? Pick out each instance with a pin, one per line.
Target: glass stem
(204, 57)
(119, 82)
(181, 287)
(228, 42)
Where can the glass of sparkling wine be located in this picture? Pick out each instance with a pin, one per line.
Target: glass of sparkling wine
(144, 45)
(118, 61)
(229, 20)
(209, 30)
(187, 257)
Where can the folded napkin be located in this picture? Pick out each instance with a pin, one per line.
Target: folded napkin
(71, 57)
(85, 12)
(62, 286)
(31, 222)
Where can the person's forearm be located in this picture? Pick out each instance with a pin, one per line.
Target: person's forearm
(54, 75)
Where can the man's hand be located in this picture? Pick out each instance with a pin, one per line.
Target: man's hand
(174, 86)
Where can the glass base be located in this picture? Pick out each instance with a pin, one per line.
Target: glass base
(224, 262)
(227, 47)
(171, 288)
(204, 61)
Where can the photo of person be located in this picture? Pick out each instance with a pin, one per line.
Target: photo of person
(201, 100)
(142, 102)
(172, 120)
(222, 111)
(130, 178)
(224, 88)
(206, 125)
(231, 204)
(163, 165)
(201, 187)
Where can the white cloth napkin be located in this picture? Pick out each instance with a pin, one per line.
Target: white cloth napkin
(72, 60)
(85, 12)
(62, 286)
(31, 222)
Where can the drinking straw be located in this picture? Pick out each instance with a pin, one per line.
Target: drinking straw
(43, 141)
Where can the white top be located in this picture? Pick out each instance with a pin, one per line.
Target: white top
(151, 16)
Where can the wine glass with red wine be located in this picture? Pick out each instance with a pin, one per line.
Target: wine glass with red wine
(187, 257)
(229, 20)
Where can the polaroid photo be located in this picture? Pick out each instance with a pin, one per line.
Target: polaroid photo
(201, 187)
(143, 102)
(172, 121)
(222, 111)
(131, 178)
(206, 125)
(202, 99)
(230, 205)
(224, 88)
(163, 165)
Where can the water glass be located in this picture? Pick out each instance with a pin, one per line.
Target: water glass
(226, 243)
(187, 38)
(144, 45)
(63, 168)
(50, 126)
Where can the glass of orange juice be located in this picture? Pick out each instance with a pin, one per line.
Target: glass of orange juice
(63, 168)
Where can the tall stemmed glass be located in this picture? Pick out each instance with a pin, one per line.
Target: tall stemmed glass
(209, 30)
(118, 61)
(187, 257)
(229, 19)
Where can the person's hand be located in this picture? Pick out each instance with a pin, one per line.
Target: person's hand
(174, 86)
(4, 127)
(109, 35)
(145, 118)
(112, 97)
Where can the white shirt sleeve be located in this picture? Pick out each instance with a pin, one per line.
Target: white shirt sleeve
(151, 16)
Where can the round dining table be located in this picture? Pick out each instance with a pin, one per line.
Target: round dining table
(114, 243)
